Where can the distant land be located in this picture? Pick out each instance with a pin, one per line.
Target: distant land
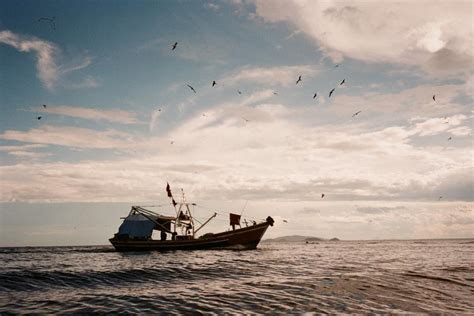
(298, 238)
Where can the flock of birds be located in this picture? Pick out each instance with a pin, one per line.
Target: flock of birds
(51, 21)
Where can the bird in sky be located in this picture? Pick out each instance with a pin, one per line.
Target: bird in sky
(214, 83)
(204, 115)
(172, 142)
(285, 221)
(315, 95)
(50, 20)
(239, 92)
(322, 195)
(299, 79)
(174, 46)
(275, 93)
(342, 82)
(38, 118)
(440, 198)
(191, 88)
(245, 119)
(337, 65)
(331, 92)
(450, 138)
(434, 97)
(356, 113)
(44, 106)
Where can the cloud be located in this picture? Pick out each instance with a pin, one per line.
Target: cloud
(87, 82)
(212, 6)
(378, 209)
(114, 115)
(281, 75)
(47, 56)
(435, 35)
(154, 118)
(74, 137)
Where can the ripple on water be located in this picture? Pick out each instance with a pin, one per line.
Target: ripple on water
(346, 277)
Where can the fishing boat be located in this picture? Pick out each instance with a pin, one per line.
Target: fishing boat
(179, 232)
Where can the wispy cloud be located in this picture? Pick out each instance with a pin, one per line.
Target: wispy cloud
(73, 137)
(281, 75)
(113, 115)
(47, 57)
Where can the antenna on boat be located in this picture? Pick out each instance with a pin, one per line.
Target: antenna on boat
(244, 207)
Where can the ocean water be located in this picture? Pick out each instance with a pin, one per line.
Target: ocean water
(425, 276)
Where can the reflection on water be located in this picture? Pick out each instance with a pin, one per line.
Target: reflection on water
(330, 277)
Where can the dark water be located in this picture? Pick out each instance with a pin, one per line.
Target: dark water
(434, 276)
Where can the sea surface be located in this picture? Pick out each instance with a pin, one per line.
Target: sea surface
(422, 276)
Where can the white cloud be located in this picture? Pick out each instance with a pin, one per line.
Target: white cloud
(435, 35)
(74, 137)
(281, 75)
(87, 82)
(47, 55)
(113, 115)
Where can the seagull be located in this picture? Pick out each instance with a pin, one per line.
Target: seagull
(322, 195)
(191, 88)
(342, 82)
(275, 93)
(245, 119)
(440, 198)
(172, 142)
(434, 97)
(285, 221)
(174, 46)
(356, 113)
(214, 83)
(50, 20)
(204, 115)
(450, 138)
(38, 118)
(315, 95)
(336, 66)
(299, 79)
(239, 92)
(44, 106)
(330, 92)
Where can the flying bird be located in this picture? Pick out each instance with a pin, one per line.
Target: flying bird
(214, 83)
(50, 20)
(44, 106)
(285, 221)
(299, 79)
(204, 115)
(315, 95)
(174, 46)
(172, 142)
(322, 195)
(239, 92)
(356, 113)
(336, 66)
(342, 82)
(440, 198)
(434, 97)
(275, 93)
(38, 118)
(245, 119)
(191, 88)
(450, 138)
(331, 92)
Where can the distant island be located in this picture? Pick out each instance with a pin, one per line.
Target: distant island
(298, 238)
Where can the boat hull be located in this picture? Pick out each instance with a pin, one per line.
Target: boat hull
(239, 239)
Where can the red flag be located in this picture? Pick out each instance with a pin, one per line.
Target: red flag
(168, 190)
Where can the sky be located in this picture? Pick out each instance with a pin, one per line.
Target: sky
(391, 148)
